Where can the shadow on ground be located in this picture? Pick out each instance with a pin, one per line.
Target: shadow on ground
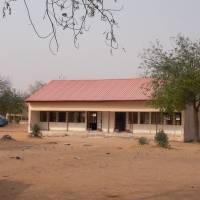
(10, 190)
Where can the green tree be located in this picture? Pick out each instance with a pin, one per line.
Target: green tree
(11, 101)
(4, 84)
(175, 76)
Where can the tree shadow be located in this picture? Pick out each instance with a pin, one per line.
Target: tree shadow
(10, 190)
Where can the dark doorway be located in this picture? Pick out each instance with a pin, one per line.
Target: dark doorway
(92, 121)
(120, 121)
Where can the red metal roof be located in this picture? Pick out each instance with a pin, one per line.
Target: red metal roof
(93, 90)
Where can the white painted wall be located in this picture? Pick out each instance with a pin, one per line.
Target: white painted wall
(43, 125)
(57, 126)
(34, 117)
(151, 129)
(99, 122)
(77, 126)
(112, 121)
(138, 129)
(105, 121)
(62, 126)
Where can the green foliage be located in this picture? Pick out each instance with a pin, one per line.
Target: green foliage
(11, 101)
(175, 73)
(36, 131)
(4, 84)
(175, 76)
(17, 120)
(143, 141)
(161, 139)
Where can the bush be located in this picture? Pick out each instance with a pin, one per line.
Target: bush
(17, 120)
(36, 131)
(143, 140)
(161, 139)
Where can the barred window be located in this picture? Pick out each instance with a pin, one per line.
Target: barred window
(133, 117)
(156, 118)
(43, 116)
(61, 116)
(178, 119)
(144, 118)
(76, 117)
(52, 116)
(168, 118)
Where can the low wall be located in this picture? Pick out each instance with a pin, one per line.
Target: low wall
(62, 126)
(106, 134)
(147, 130)
(151, 129)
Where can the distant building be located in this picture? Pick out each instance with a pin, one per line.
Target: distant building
(17, 118)
(110, 106)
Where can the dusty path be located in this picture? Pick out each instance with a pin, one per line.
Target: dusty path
(96, 168)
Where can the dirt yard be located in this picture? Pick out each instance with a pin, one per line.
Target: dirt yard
(95, 168)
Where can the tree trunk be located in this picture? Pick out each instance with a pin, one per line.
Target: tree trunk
(196, 125)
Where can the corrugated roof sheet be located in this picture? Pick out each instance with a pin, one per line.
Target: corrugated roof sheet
(93, 90)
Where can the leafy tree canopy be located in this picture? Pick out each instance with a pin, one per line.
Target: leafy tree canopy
(175, 75)
(11, 101)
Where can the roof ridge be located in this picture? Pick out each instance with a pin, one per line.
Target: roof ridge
(103, 79)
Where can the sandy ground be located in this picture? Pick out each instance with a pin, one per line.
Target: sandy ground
(96, 168)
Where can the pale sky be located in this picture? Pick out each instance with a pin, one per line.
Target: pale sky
(25, 58)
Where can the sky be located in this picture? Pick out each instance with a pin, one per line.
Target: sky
(24, 58)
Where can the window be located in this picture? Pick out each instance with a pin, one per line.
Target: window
(61, 116)
(76, 117)
(52, 116)
(168, 118)
(133, 117)
(178, 119)
(43, 116)
(144, 118)
(156, 118)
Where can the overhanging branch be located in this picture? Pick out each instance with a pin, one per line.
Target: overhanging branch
(73, 15)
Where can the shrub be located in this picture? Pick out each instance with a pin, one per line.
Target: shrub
(143, 140)
(36, 131)
(161, 139)
(17, 120)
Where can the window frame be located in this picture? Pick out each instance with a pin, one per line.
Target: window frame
(50, 117)
(158, 118)
(60, 116)
(149, 117)
(169, 119)
(175, 119)
(133, 117)
(45, 117)
(76, 117)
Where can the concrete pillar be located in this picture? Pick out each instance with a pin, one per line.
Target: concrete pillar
(108, 122)
(67, 120)
(48, 121)
(29, 119)
(138, 117)
(86, 120)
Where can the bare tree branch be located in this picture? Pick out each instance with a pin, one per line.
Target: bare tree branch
(73, 15)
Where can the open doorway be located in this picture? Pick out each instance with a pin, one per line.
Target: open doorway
(120, 121)
(92, 121)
